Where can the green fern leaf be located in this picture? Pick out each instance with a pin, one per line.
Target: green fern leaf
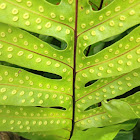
(64, 68)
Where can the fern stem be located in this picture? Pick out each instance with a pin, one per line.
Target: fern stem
(74, 66)
(101, 5)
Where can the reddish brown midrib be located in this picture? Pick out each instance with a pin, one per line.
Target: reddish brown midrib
(74, 66)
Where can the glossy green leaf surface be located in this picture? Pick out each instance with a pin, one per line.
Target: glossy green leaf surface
(105, 133)
(112, 112)
(65, 65)
(124, 136)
